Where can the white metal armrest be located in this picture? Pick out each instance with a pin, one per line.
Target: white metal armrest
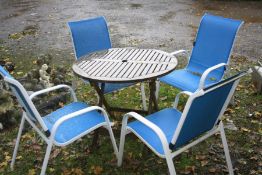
(178, 51)
(178, 96)
(151, 125)
(204, 75)
(77, 113)
(52, 89)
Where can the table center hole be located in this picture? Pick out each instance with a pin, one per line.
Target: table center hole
(124, 61)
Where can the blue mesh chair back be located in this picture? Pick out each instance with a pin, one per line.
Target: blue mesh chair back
(20, 93)
(204, 111)
(213, 44)
(4, 73)
(92, 35)
(89, 35)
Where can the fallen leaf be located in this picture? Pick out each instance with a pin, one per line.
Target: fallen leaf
(242, 161)
(258, 114)
(200, 157)
(36, 147)
(61, 104)
(19, 157)
(19, 73)
(212, 170)
(77, 171)
(245, 130)
(3, 164)
(55, 153)
(31, 172)
(204, 162)
(97, 169)
(51, 170)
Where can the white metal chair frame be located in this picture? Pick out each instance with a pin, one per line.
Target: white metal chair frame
(168, 153)
(207, 71)
(203, 76)
(49, 138)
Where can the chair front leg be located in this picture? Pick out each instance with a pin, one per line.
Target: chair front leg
(112, 137)
(170, 165)
(17, 141)
(47, 155)
(226, 150)
(122, 141)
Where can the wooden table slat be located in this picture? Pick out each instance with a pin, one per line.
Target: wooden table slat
(152, 68)
(146, 69)
(106, 68)
(119, 69)
(121, 54)
(127, 67)
(140, 70)
(88, 68)
(94, 69)
(137, 53)
(131, 69)
(139, 56)
(101, 67)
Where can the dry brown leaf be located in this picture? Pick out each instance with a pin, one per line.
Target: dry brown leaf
(55, 153)
(258, 114)
(245, 130)
(200, 157)
(77, 171)
(212, 170)
(36, 147)
(204, 162)
(97, 169)
(31, 172)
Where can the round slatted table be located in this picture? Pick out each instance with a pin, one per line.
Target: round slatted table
(125, 65)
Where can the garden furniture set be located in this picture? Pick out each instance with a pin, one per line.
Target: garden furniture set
(167, 132)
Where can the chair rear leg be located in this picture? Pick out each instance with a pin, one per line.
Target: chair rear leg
(226, 150)
(17, 141)
(47, 154)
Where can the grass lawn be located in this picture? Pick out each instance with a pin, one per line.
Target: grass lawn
(205, 158)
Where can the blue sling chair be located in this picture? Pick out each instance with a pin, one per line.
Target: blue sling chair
(91, 35)
(169, 132)
(209, 57)
(60, 127)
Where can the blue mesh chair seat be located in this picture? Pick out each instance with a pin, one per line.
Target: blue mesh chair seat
(68, 130)
(60, 127)
(169, 132)
(166, 119)
(213, 45)
(191, 84)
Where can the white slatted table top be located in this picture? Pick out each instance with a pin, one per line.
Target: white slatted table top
(125, 65)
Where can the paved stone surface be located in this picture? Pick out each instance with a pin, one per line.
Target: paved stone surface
(162, 24)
